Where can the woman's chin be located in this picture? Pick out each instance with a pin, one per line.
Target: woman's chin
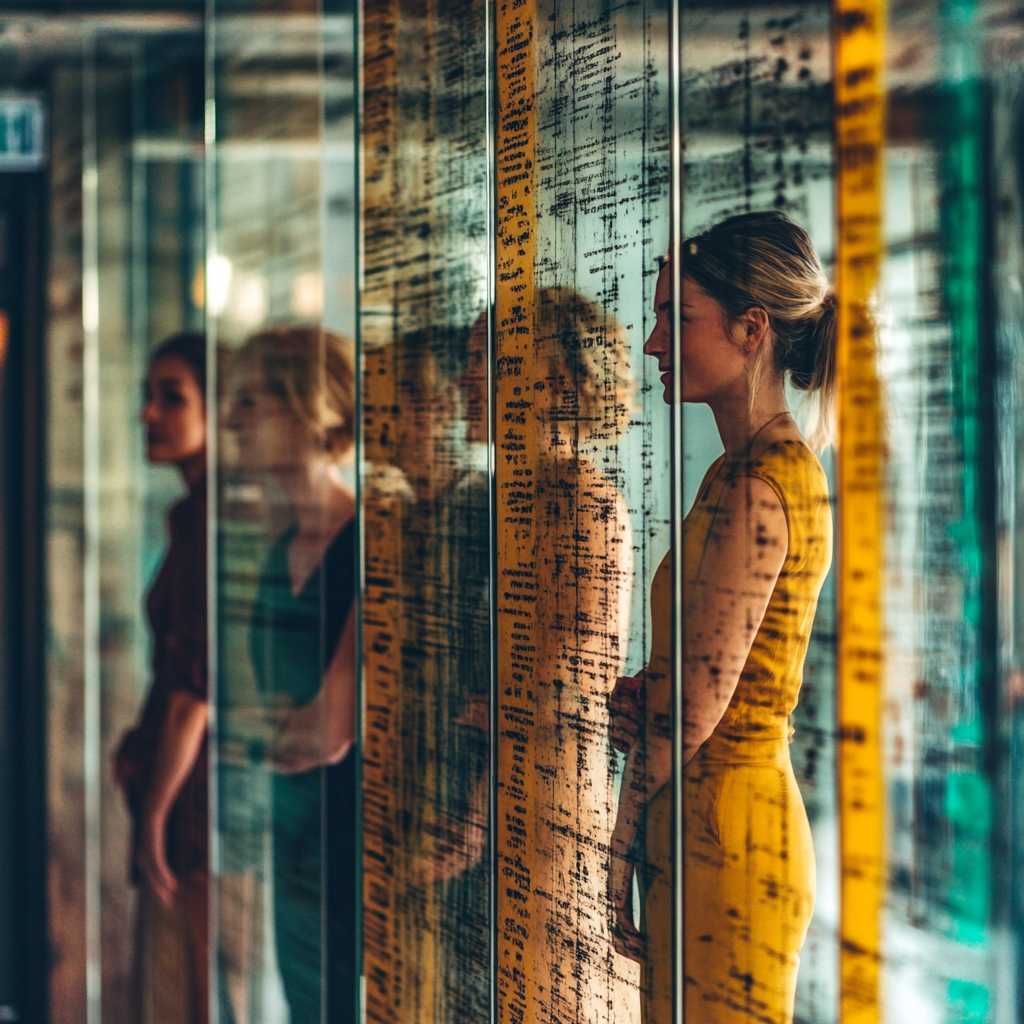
(157, 455)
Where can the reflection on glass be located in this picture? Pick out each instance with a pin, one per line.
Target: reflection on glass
(583, 553)
(515, 494)
(582, 490)
(446, 571)
(426, 638)
(293, 411)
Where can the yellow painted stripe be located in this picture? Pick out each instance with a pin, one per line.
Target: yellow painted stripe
(384, 950)
(518, 944)
(859, 35)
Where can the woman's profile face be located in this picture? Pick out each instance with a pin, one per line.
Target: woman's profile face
(269, 436)
(173, 412)
(712, 359)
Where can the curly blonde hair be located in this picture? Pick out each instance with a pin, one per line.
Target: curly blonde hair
(593, 350)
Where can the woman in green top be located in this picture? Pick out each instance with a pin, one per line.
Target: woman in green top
(294, 411)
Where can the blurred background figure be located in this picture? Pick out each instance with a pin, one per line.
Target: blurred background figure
(161, 764)
(579, 626)
(446, 676)
(292, 408)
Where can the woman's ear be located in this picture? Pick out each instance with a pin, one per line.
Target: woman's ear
(754, 326)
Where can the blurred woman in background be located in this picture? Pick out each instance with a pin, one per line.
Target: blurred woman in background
(161, 764)
(293, 409)
(581, 402)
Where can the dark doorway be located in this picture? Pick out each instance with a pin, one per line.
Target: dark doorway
(23, 937)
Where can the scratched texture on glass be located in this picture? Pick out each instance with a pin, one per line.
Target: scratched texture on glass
(951, 231)
(582, 174)
(425, 493)
(756, 118)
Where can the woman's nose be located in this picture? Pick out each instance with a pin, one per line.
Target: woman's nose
(654, 346)
(149, 412)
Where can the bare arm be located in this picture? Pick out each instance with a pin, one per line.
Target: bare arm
(178, 747)
(725, 608)
(338, 695)
(322, 731)
(741, 564)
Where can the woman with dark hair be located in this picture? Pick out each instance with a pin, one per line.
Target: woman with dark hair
(161, 764)
(757, 545)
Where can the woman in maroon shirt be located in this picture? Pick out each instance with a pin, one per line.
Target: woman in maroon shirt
(161, 764)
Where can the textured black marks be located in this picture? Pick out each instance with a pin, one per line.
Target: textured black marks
(768, 93)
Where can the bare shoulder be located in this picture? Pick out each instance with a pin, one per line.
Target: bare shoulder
(747, 498)
(750, 531)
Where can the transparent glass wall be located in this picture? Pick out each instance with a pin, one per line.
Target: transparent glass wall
(444, 519)
(425, 315)
(755, 111)
(125, 271)
(280, 165)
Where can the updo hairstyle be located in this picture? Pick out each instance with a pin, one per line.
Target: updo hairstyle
(311, 370)
(767, 260)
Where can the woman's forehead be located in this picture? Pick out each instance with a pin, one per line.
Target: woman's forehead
(171, 370)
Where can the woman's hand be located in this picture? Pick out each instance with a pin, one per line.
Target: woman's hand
(303, 739)
(625, 711)
(123, 762)
(627, 939)
(151, 858)
(476, 714)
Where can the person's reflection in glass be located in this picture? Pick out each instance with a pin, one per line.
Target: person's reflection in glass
(161, 764)
(582, 551)
(293, 408)
(446, 571)
(757, 545)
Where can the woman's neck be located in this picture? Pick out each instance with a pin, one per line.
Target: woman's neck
(738, 421)
(320, 500)
(193, 470)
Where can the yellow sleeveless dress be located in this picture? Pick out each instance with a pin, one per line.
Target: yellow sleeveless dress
(749, 862)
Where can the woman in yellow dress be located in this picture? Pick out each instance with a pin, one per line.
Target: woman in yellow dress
(757, 545)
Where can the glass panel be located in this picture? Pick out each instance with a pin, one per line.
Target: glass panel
(125, 251)
(280, 286)
(424, 319)
(65, 663)
(583, 493)
(755, 116)
(938, 340)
